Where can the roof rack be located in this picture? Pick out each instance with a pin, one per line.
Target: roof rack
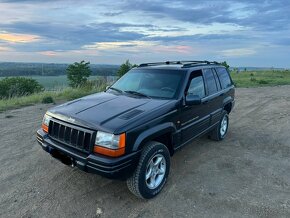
(183, 63)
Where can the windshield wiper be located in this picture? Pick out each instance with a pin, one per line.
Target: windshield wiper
(137, 93)
(115, 89)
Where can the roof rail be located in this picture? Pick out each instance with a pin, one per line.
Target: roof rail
(193, 63)
(183, 63)
(159, 63)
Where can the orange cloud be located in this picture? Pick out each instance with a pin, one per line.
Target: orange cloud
(18, 38)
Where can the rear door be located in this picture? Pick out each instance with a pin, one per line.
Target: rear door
(227, 86)
(214, 96)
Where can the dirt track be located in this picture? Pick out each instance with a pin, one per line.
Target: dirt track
(247, 174)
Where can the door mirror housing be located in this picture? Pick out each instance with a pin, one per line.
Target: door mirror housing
(192, 100)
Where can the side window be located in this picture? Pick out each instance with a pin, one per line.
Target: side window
(196, 86)
(218, 83)
(210, 81)
(224, 77)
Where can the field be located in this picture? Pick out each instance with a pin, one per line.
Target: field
(261, 78)
(246, 175)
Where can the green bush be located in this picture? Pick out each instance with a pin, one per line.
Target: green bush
(47, 100)
(18, 86)
(253, 79)
(262, 82)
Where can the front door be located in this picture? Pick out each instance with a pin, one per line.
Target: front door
(194, 119)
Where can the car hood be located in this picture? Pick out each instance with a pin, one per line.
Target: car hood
(105, 111)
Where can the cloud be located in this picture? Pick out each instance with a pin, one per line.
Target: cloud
(4, 49)
(119, 45)
(181, 49)
(149, 29)
(238, 52)
(49, 53)
(18, 38)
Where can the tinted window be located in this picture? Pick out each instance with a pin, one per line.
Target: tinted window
(196, 87)
(154, 83)
(210, 81)
(224, 77)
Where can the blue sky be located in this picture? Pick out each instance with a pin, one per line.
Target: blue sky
(244, 33)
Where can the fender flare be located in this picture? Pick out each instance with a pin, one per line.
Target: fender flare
(227, 100)
(154, 132)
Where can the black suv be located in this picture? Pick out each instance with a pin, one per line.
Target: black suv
(131, 129)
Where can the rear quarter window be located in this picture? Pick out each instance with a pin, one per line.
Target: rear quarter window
(224, 77)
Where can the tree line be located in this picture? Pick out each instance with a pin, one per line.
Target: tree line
(39, 69)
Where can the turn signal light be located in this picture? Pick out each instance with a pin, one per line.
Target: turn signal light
(44, 128)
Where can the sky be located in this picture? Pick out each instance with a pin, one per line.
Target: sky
(243, 33)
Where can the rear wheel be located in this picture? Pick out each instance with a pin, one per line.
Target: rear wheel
(220, 131)
(152, 171)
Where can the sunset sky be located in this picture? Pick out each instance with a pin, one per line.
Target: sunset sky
(244, 33)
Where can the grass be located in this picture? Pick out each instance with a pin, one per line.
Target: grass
(64, 95)
(261, 78)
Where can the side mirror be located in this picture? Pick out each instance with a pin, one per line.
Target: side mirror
(107, 87)
(192, 100)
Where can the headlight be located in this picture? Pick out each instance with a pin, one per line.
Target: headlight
(110, 144)
(45, 122)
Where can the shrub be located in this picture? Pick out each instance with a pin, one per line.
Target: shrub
(18, 86)
(263, 82)
(47, 100)
(253, 79)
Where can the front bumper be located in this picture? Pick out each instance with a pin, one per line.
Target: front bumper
(118, 168)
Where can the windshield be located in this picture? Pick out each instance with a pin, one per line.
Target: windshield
(151, 83)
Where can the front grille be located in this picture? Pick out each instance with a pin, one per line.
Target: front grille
(71, 135)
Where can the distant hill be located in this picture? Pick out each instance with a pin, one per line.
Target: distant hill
(47, 69)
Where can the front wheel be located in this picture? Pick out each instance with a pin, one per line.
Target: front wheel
(220, 131)
(152, 171)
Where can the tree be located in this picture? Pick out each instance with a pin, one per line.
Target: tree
(125, 67)
(226, 65)
(78, 73)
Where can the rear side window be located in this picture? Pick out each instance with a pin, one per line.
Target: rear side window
(224, 77)
(210, 81)
(196, 86)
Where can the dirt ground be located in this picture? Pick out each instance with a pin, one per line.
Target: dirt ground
(247, 174)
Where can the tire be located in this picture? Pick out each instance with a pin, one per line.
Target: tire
(154, 164)
(220, 131)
